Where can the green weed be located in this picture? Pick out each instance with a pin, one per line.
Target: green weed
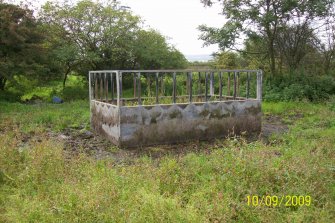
(42, 183)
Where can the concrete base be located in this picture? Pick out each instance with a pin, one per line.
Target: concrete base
(166, 124)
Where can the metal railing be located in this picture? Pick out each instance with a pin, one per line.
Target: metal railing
(133, 87)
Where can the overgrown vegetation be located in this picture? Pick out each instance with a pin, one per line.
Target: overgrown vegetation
(66, 38)
(40, 182)
(48, 53)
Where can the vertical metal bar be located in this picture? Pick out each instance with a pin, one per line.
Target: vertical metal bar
(259, 84)
(228, 85)
(220, 85)
(234, 85)
(96, 86)
(187, 83)
(118, 88)
(148, 85)
(112, 87)
(121, 90)
(199, 83)
(162, 85)
(157, 99)
(238, 84)
(174, 88)
(190, 86)
(101, 86)
(248, 85)
(139, 88)
(134, 84)
(106, 87)
(211, 84)
(206, 86)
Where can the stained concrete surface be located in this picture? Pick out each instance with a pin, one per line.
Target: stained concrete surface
(165, 124)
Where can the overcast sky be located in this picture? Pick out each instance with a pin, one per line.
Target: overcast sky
(178, 19)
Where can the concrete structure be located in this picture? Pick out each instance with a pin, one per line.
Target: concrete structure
(142, 125)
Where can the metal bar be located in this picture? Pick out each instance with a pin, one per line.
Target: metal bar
(211, 84)
(228, 85)
(157, 99)
(96, 86)
(179, 71)
(206, 87)
(106, 87)
(199, 83)
(162, 85)
(118, 88)
(101, 86)
(174, 88)
(139, 88)
(238, 84)
(234, 85)
(190, 86)
(112, 87)
(220, 86)
(134, 77)
(148, 85)
(259, 84)
(121, 88)
(248, 85)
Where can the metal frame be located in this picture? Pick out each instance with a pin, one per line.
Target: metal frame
(102, 84)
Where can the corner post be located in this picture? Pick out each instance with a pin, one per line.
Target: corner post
(118, 87)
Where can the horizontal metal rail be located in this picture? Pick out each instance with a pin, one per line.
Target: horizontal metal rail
(115, 86)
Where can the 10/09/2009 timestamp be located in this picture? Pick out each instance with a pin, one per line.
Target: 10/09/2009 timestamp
(278, 201)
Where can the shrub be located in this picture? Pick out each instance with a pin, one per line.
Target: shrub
(299, 87)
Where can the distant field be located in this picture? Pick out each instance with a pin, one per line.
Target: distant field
(52, 169)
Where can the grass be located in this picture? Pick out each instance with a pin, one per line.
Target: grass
(43, 116)
(41, 183)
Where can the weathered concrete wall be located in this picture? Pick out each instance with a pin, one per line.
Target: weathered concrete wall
(105, 120)
(161, 124)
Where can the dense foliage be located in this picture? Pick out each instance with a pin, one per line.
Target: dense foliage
(73, 38)
(291, 41)
(284, 35)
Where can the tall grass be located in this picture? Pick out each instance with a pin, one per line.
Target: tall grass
(42, 183)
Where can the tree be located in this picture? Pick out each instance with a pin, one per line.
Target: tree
(327, 48)
(151, 51)
(293, 43)
(90, 35)
(226, 60)
(263, 18)
(21, 44)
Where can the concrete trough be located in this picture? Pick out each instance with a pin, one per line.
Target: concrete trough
(147, 125)
(165, 124)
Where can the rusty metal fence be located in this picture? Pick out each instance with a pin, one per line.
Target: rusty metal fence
(142, 87)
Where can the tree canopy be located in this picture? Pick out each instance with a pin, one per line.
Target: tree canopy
(66, 37)
(268, 19)
(21, 44)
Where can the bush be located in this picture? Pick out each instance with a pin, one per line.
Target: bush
(299, 87)
(76, 88)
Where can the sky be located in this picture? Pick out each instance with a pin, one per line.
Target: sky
(178, 20)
